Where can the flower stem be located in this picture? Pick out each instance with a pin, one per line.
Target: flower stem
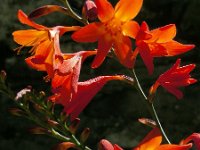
(150, 106)
(74, 14)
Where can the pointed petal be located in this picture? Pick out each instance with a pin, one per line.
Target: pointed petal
(104, 45)
(36, 62)
(45, 10)
(23, 18)
(29, 37)
(151, 141)
(195, 137)
(164, 34)
(105, 10)
(146, 57)
(176, 92)
(123, 50)
(89, 33)
(157, 50)
(175, 48)
(86, 91)
(174, 147)
(63, 29)
(64, 146)
(131, 29)
(126, 10)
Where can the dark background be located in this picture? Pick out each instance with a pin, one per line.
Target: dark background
(114, 111)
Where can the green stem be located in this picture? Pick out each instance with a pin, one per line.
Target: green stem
(150, 105)
(73, 14)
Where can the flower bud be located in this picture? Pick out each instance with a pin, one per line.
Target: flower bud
(38, 130)
(105, 145)
(16, 111)
(52, 122)
(147, 122)
(21, 93)
(3, 75)
(85, 134)
(89, 10)
(74, 125)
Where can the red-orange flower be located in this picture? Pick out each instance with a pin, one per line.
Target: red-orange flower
(195, 137)
(158, 43)
(86, 90)
(114, 30)
(66, 75)
(175, 78)
(43, 40)
(153, 142)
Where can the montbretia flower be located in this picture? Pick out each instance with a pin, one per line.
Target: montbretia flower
(153, 142)
(78, 100)
(175, 78)
(114, 29)
(158, 43)
(66, 75)
(43, 40)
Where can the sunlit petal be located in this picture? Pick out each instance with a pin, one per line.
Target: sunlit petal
(89, 33)
(104, 9)
(130, 29)
(126, 10)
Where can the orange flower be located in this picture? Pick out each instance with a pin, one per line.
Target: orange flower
(158, 43)
(175, 78)
(153, 142)
(43, 40)
(66, 76)
(114, 30)
(78, 100)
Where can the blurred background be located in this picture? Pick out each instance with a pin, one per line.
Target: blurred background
(114, 111)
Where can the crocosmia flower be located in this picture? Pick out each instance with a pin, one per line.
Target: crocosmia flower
(175, 78)
(113, 30)
(85, 92)
(153, 142)
(43, 40)
(158, 43)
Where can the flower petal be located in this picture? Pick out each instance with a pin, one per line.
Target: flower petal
(126, 10)
(104, 45)
(130, 29)
(174, 147)
(195, 137)
(105, 10)
(146, 57)
(86, 91)
(89, 33)
(123, 50)
(29, 37)
(36, 62)
(176, 92)
(23, 18)
(151, 141)
(175, 48)
(164, 34)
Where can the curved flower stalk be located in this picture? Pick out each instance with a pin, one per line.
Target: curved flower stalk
(86, 90)
(158, 43)
(175, 78)
(114, 29)
(43, 40)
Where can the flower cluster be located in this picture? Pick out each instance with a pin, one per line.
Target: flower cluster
(116, 34)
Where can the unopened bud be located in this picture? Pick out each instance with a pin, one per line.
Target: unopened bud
(147, 122)
(42, 93)
(52, 122)
(16, 111)
(3, 75)
(89, 10)
(85, 134)
(38, 130)
(74, 125)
